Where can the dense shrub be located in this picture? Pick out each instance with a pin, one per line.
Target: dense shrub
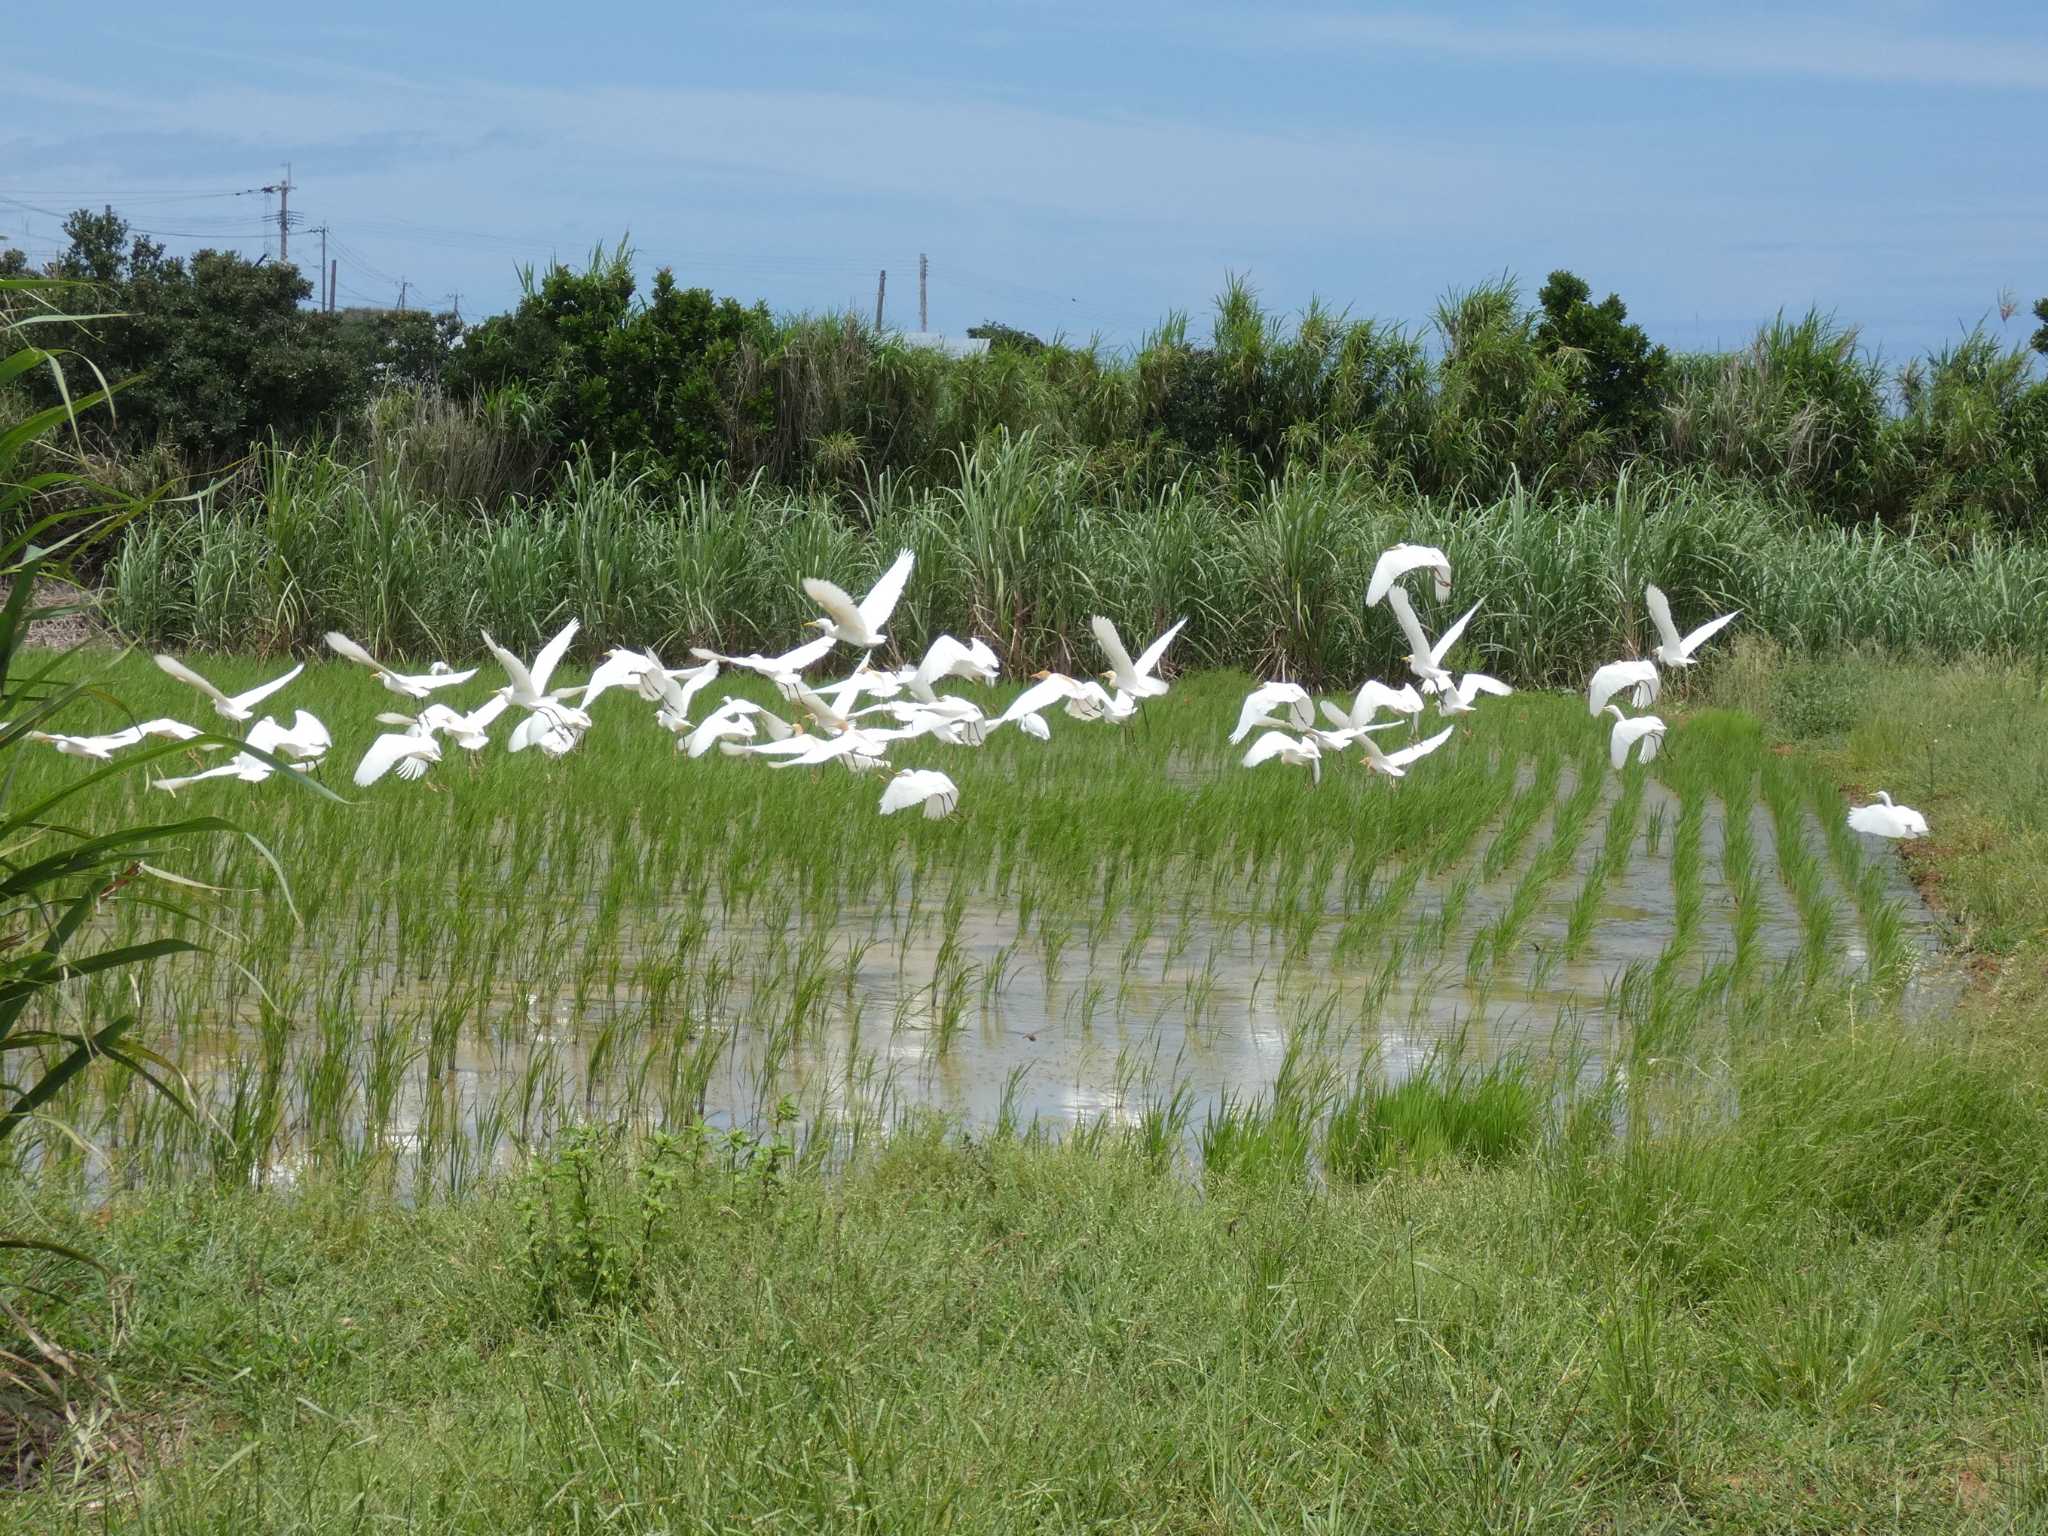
(654, 381)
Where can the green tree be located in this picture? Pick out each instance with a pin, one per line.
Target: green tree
(655, 381)
(1623, 377)
(2040, 342)
(223, 351)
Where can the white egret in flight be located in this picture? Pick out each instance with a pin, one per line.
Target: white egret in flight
(1395, 764)
(1460, 700)
(102, 748)
(1887, 820)
(623, 668)
(238, 706)
(1399, 561)
(860, 623)
(1673, 651)
(1262, 701)
(862, 751)
(1628, 731)
(305, 740)
(947, 657)
(788, 664)
(1372, 698)
(732, 722)
(1426, 661)
(471, 732)
(1302, 752)
(927, 787)
(407, 753)
(1638, 677)
(415, 685)
(1132, 677)
(528, 686)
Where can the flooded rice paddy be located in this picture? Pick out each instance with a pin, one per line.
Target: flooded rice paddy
(1116, 920)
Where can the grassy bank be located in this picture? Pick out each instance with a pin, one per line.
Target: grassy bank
(1823, 1316)
(1025, 549)
(1779, 1263)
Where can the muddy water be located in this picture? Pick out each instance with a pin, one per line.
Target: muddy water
(907, 1015)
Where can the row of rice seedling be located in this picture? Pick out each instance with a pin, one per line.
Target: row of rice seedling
(630, 935)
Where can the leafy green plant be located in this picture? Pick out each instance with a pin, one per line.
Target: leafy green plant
(61, 883)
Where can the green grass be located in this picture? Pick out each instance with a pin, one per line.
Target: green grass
(1822, 1314)
(595, 1189)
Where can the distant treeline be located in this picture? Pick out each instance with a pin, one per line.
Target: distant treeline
(677, 385)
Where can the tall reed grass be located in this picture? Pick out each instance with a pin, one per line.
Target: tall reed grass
(1025, 548)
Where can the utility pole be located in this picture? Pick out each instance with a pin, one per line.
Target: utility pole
(403, 284)
(455, 306)
(333, 282)
(283, 189)
(326, 297)
(923, 268)
(881, 288)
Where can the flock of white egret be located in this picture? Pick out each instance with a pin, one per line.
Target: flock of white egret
(834, 724)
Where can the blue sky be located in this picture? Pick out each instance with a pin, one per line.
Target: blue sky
(1085, 168)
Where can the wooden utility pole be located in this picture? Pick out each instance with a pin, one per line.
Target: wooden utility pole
(923, 269)
(881, 288)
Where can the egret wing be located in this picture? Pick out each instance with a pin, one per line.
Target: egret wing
(805, 654)
(1449, 637)
(172, 786)
(883, 596)
(1660, 615)
(348, 650)
(177, 730)
(515, 669)
(384, 754)
(1609, 680)
(1040, 695)
(1397, 562)
(1420, 749)
(1706, 632)
(185, 674)
(1150, 657)
(1112, 645)
(939, 660)
(263, 691)
(430, 681)
(1269, 746)
(551, 655)
(619, 669)
(1475, 683)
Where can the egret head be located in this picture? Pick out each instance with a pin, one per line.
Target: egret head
(822, 625)
(1041, 674)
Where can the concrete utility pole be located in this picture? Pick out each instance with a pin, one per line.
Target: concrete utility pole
(403, 284)
(333, 282)
(326, 297)
(283, 189)
(881, 288)
(923, 269)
